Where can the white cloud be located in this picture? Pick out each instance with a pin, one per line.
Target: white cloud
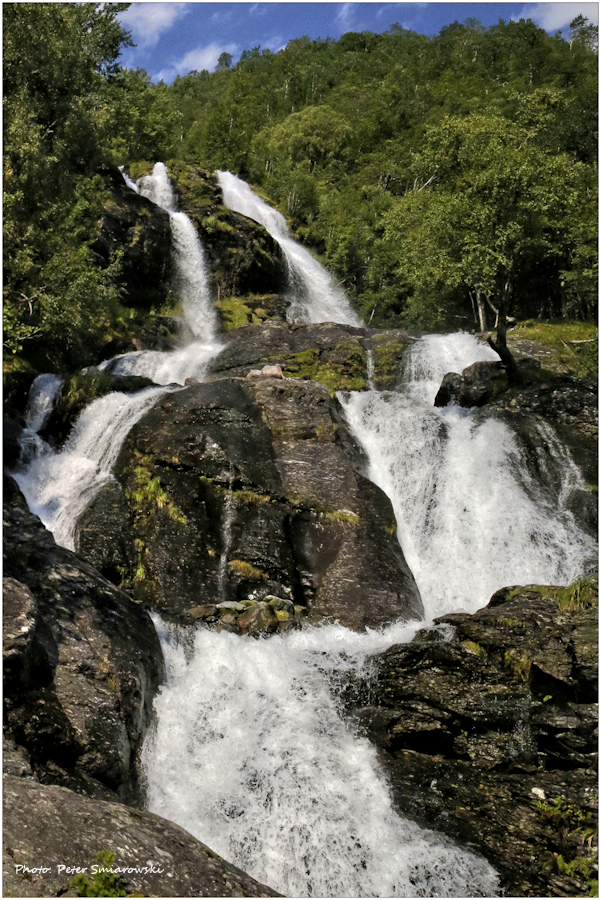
(275, 44)
(552, 16)
(200, 58)
(148, 21)
(345, 15)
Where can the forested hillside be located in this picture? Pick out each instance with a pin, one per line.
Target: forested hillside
(427, 171)
(436, 176)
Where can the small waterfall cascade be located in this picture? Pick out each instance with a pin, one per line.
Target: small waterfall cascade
(314, 296)
(59, 486)
(371, 371)
(252, 755)
(472, 517)
(192, 276)
(131, 184)
(42, 397)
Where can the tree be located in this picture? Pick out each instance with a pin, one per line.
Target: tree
(61, 75)
(583, 33)
(224, 61)
(485, 201)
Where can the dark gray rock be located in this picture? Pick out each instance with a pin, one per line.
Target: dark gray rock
(240, 489)
(51, 826)
(103, 536)
(478, 384)
(82, 663)
(332, 354)
(141, 231)
(491, 735)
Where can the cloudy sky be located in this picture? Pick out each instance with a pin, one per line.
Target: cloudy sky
(173, 38)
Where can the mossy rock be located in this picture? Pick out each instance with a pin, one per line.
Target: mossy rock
(79, 391)
(342, 369)
(237, 312)
(387, 349)
(243, 257)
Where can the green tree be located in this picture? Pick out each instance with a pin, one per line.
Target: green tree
(485, 201)
(61, 75)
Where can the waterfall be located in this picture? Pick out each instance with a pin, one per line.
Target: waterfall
(192, 278)
(314, 296)
(131, 184)
(252, 755)
(59, 486)
(42, 397)
(471, 516)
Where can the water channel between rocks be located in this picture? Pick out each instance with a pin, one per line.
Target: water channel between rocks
(251, 752)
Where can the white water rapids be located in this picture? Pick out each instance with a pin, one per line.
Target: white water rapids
(313, 295)
(471, 517)
(251, 751)
(59, 486)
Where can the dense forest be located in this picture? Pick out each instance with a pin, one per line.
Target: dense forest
(437, 177)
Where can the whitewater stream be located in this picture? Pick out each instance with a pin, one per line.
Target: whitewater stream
(314, 297)
(251, 751)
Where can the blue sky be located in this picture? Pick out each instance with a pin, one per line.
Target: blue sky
(173, 38)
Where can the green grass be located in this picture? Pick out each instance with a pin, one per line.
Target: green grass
(576, 344)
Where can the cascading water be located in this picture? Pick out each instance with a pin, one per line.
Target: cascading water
(252, 755)
(251, 751)
(190, 361)
(59, 486)
(471, 516)
(314, 296)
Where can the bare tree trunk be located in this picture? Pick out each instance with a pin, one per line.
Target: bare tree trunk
(481, 310)
(499, 344)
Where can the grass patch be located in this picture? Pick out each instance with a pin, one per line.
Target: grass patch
(576, 344)
(246, 571)
(104, 884)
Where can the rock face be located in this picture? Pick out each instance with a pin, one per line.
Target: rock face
(570, 406)
(134, 225)
(82, 662)
(332, 354)
(487, 727)
(242, 489)
(51, 826)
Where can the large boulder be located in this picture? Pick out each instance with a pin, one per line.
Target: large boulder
(241, 490)
(478, 384)
(82, 662)
(487, 729)
(49, 830)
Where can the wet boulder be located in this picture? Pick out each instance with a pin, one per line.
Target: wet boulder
(242, 489)
(487, 729)
(49, 827)
(82, 663)
(478, 384)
